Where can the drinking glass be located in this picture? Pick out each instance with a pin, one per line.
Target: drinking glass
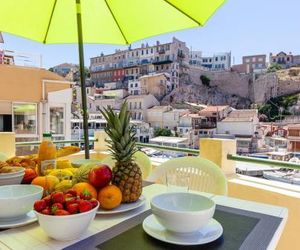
(177, 182)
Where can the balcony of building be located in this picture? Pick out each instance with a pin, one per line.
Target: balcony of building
(223, 153)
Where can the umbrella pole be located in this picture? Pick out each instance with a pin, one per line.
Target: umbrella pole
(82, 81)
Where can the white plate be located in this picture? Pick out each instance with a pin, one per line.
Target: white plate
(79, 162)
(123, 207)
(27, 219)
(212, 231)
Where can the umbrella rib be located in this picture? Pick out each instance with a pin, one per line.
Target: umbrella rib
(48, 27)
(181, 11)
(116, 21)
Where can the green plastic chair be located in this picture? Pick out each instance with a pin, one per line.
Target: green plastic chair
(204, 175)
(142, 160)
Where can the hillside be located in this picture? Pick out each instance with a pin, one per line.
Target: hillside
(224, 88)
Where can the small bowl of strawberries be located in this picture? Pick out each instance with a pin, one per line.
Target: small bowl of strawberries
(65, 216)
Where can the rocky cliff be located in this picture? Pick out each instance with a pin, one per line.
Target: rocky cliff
(224, 88)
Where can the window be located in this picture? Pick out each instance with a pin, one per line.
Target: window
(57, 121)
(25, 118)
(130, 105)
(136, 85)
(140, 105)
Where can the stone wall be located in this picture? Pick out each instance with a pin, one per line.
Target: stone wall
(288, 81)
(227, 82)
(264, 88)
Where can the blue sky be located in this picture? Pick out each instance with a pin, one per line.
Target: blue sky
(243, 27)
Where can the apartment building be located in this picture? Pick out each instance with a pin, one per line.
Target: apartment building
(293, 137)
(243, 125)
(239, 122)
(155, 116)
(64, 69)
(216, 62)
(255, 63)
(138, 105)
(214, 114)
(34, 100)
(130, 64)
(285, 60)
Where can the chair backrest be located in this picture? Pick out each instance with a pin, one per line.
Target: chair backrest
(204, 175)
(140, 158)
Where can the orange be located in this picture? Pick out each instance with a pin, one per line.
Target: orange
(110, 197)
(47, 182)
(82, 186)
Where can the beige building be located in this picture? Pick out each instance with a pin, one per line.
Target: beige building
(155, 84)
(32, 101)
(138, 105)
(165, 117)
(155, 116)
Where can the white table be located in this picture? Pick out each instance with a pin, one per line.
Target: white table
(33, 237)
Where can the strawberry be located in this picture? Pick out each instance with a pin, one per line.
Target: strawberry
(71, 200)
(67, 196)
(47, 199)
(73, 208)
(72, 192)
(58, 197)
(85, 195)
(55, 207)
(46, 211)
(39, 205)
(84, 206)
(61, 212)
(94, 202)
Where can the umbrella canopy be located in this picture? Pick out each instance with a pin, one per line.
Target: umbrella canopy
(103, 21)
(100, 21)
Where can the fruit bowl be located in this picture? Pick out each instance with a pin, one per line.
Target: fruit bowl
(68, 227)
(17, 200)
(182, 212)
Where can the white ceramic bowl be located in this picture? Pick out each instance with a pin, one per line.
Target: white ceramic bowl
(12, 178)
(182, 212)
(67, 227)
(17, 200)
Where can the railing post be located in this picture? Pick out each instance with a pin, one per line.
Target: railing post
(7, 143)
(216, 150)
(100, 144)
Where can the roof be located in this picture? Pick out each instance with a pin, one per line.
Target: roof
(238, 119)
(214, 108)
(136, 96)
(159, 107)
(168, 139)
(293, 125)
(243, 113)
(154, 75)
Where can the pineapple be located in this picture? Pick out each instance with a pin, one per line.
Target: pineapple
(126, 173)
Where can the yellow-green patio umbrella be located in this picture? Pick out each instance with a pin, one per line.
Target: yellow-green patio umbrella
(100, 21)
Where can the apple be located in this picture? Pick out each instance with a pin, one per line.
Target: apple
(100, 176)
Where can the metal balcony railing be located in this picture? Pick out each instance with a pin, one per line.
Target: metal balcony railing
(271, 163)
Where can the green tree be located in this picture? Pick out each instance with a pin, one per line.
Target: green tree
(205, 80)
(162, 132)
(274, 67)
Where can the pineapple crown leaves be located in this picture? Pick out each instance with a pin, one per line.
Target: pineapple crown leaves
(122, 136)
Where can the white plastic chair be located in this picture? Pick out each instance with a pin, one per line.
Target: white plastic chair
(204, 175)
(140, 158)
